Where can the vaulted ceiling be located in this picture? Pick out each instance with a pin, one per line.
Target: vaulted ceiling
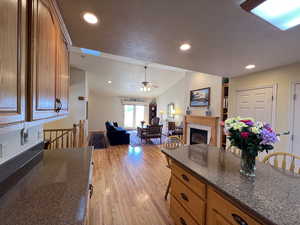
(224, 38)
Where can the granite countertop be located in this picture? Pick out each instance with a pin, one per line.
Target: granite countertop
(273, 195)
(55, 191)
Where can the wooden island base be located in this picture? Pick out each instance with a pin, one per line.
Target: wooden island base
(194, 202)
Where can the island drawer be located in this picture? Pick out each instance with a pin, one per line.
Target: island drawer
(192, 182)
(221, 211)
(179, 215)
(188, 199)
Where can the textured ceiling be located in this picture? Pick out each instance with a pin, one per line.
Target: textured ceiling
(126, 75)
(224, 38)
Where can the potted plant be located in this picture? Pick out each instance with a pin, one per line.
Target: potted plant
(251, 137)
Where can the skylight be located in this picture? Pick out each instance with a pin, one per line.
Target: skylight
(283, 14)
(90, 52)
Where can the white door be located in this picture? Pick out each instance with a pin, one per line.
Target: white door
(296, 122)
(256, 103)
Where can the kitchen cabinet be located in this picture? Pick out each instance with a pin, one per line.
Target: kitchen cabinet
(49, 72)
(12, 61)
(194, 202)
(222, 212)
(63, 74)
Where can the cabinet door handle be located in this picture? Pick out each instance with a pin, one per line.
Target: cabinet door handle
(91, 190)
(182, 221)
(239, 219)
(185, 177)
(184, 197)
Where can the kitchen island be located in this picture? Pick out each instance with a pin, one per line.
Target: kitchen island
(55, 190)
(207, 188)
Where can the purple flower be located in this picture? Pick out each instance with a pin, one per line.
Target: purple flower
(268, 136)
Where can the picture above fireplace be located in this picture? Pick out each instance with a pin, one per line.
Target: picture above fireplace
(200, 97)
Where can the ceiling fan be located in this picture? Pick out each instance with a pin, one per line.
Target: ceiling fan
(147, 85)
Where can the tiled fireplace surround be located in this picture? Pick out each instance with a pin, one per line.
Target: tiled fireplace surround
(208, 123)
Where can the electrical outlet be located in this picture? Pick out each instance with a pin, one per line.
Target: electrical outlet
(24, 136)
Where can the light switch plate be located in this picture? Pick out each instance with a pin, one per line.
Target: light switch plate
(1, 151)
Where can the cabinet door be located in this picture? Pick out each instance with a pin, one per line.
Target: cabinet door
(43, 49)
(12, 61)
(217, 219)
(63, 75)
(222, 212)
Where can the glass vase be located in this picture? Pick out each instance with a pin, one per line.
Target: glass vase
(247, 164)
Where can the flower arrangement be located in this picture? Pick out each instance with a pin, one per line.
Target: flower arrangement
(250, 137)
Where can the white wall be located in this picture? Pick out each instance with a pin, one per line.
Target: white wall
(175, 94)
(283, 78)
(11, 142)
(104, 108)
(180, 94)
(77, 108)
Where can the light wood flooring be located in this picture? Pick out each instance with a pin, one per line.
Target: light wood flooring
(129, 187)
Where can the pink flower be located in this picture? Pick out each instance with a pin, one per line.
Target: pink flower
(222, 123)
(245, 134)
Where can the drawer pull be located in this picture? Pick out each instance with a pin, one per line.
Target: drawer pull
(184, 197)
(185, 177)
(182, 221)
(239, 219)
(91, 190)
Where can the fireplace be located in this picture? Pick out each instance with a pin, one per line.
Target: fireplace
(198, 136)
(209, 126)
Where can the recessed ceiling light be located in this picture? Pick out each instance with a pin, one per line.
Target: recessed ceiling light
(90, 18)
(281, 14)
(185, 47)
(109, 81)
(250, 67)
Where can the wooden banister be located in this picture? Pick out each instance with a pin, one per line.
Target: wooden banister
(74, 137)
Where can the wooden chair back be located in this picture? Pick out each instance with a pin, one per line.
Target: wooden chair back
(283, 160)
(171, 126)
(172, 142)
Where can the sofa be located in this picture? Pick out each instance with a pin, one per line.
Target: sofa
(116, 135)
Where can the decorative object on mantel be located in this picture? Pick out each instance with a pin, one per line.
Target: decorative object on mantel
(200, 97)
(208, 111)
(250, 137)
(188, 111)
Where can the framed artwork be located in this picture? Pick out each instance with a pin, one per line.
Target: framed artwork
(200, 97)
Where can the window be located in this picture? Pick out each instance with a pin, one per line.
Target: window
(133, 115)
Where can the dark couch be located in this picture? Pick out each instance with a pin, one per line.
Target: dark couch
(116, 135)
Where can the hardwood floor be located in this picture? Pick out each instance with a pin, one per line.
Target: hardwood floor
(129, 187)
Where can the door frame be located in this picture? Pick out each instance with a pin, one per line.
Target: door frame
(292, 112)
(274, 102)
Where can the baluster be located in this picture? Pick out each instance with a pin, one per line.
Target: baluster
(284, 162)
(292, 167)
(276, 162)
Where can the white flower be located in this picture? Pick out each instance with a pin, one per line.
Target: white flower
(259, 124)
(255, 130)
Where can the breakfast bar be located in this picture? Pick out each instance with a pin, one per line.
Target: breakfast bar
(207, 188)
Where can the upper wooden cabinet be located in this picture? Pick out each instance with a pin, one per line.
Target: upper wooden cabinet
(63, 74)
(49, 86)
(12, 61)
